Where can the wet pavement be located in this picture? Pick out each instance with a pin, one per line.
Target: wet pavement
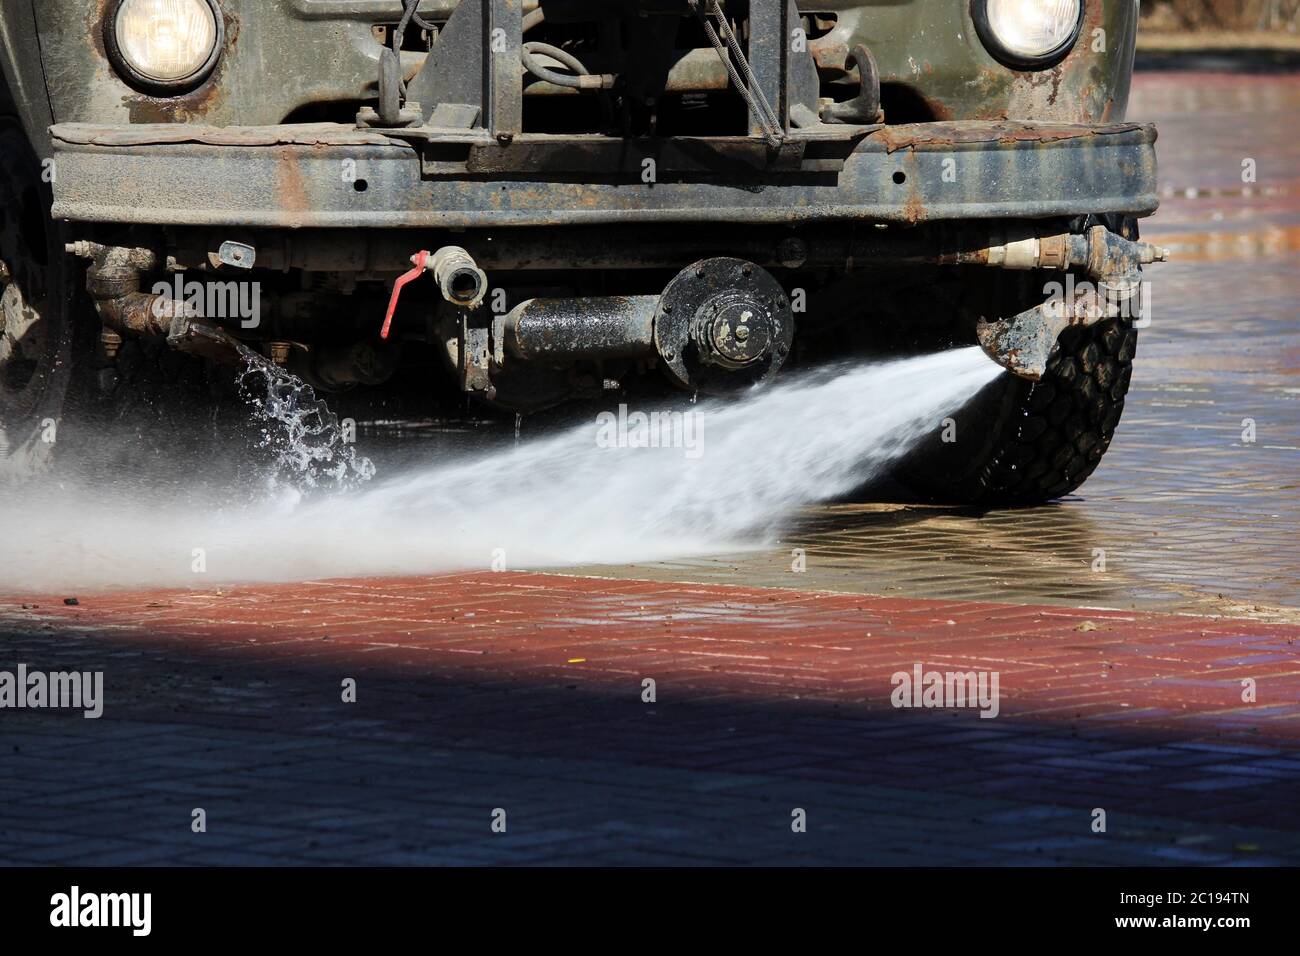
(1164, 689)
(528, 694)
(1191, 517)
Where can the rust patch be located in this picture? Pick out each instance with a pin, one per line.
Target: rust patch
(95, 27)
(291, 188)
(938, 109)
(1056, 85)
(914, 206)
(991, 92)
(932, 136)
(157, 134)
(913, 209)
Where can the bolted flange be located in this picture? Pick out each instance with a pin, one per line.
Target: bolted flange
(723, 324)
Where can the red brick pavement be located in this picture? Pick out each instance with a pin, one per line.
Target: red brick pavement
(771, 690)
(1150, 672)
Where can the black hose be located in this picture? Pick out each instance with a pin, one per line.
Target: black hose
(409, 14)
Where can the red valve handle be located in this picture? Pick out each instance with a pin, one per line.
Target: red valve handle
(420, 258)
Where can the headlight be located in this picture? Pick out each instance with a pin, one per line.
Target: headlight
(164, 44)
(1030, 33)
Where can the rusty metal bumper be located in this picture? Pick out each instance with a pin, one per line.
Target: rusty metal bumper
(327, 175)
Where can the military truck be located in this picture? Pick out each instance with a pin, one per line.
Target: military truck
(536, 203)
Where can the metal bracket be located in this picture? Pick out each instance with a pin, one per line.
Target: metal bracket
(472, 74)
(240, 255)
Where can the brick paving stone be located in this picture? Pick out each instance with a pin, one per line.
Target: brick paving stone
(767, 700)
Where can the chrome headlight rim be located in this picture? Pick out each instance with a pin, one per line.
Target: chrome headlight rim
(1016, 60)
(152, 84)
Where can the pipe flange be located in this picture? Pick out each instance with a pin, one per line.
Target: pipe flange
(723, 324)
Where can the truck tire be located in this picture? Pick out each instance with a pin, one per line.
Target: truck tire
(37, 302)
(1024, 443)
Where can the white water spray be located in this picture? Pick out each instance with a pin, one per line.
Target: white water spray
(564, 500)
(298, 429)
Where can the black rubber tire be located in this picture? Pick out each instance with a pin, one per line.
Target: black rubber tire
(39, 344)
(1024, 443)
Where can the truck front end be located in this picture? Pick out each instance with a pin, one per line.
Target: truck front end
(544, 202)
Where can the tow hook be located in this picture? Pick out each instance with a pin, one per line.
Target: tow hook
(460, 280)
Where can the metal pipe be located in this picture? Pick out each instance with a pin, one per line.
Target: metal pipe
(582, 78)
(648, 246)
(1102, 253)
(140, 313)
(459, 278)
(1024, 343)
(592, 328)
(380, 11)
(694, 71)
(113, 281)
